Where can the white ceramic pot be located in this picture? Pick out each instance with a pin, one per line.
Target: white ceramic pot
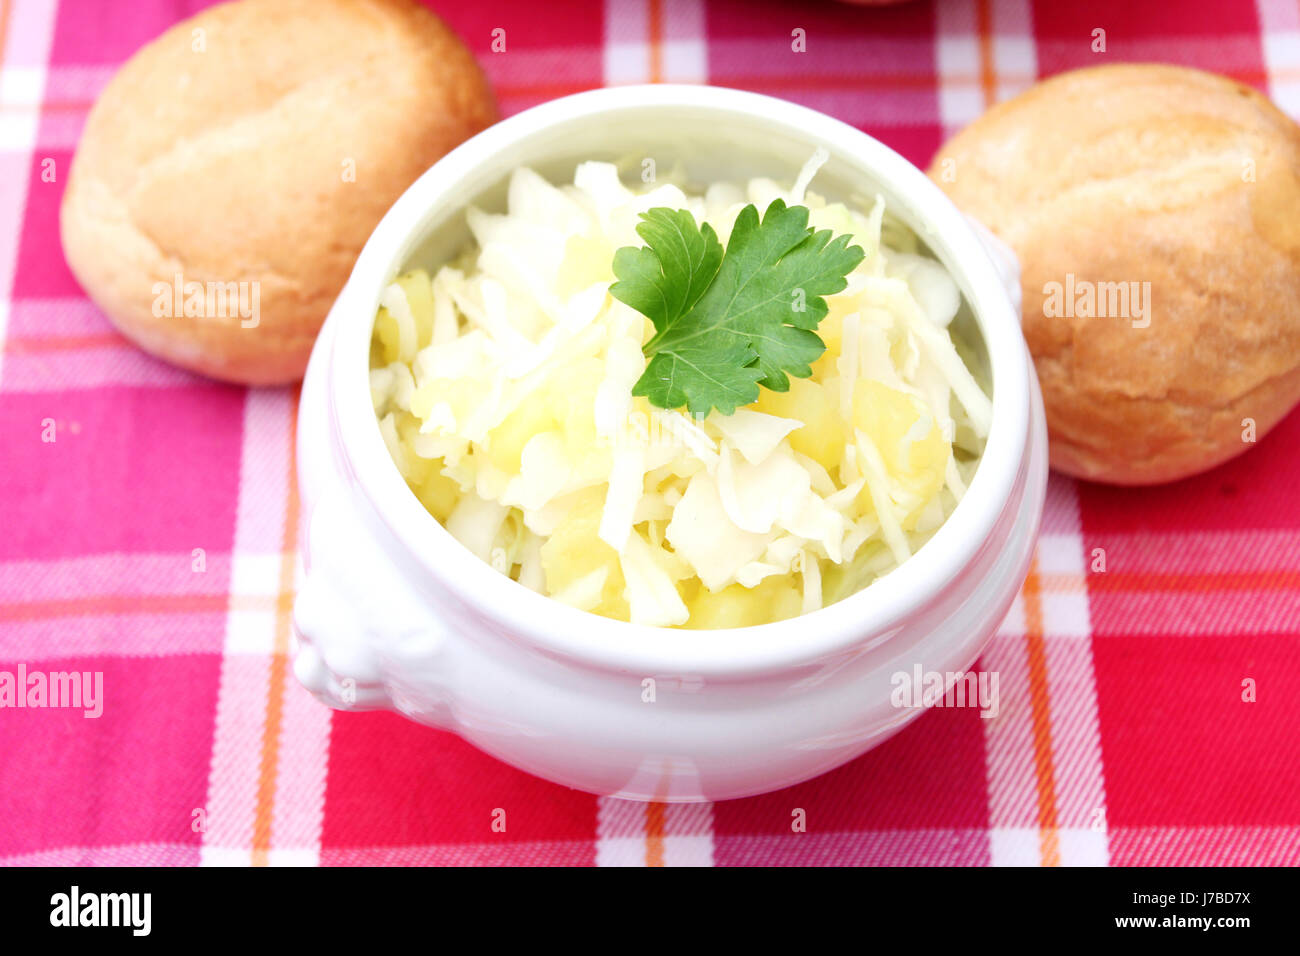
(396, 613)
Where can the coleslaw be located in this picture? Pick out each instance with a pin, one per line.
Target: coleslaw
(503, 389)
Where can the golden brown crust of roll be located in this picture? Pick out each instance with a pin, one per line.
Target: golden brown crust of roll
(260, 141)
(1148, 174)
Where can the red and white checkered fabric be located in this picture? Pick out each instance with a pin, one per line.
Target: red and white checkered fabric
(1123, 737)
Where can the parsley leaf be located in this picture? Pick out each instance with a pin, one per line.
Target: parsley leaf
(727, 322)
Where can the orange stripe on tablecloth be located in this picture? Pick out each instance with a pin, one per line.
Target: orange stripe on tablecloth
(27, 345)
(656, 820)
(655, 825)
(1193, 583)
(655, 29)
(4, 28)
(279, 658)
(1172, 582)
(125, 604)
(113, 604)
(1048, 835)
(988, 76)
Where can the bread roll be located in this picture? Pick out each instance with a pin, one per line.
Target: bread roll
(238, 163)
(1184, 187)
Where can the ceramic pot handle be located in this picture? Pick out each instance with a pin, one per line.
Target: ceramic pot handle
(359, 622)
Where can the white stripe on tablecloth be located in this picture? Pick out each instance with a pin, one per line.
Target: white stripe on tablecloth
(298, 814)
(684, 43)
(1072, 692)
(627, 51)
(959, 56)
(688, 834)
(1009, 748)
(620, 832)
(1078, 789)
(246, 667)
(1279, 22)
(22, 89)
(235, 774)
(957, 64)
(1015, 51)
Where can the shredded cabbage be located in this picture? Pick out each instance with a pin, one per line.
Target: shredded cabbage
(503, 389)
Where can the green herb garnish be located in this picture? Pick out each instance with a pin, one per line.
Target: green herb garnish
(728, 322)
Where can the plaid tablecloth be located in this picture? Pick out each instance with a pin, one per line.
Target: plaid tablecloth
(1149, 711)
